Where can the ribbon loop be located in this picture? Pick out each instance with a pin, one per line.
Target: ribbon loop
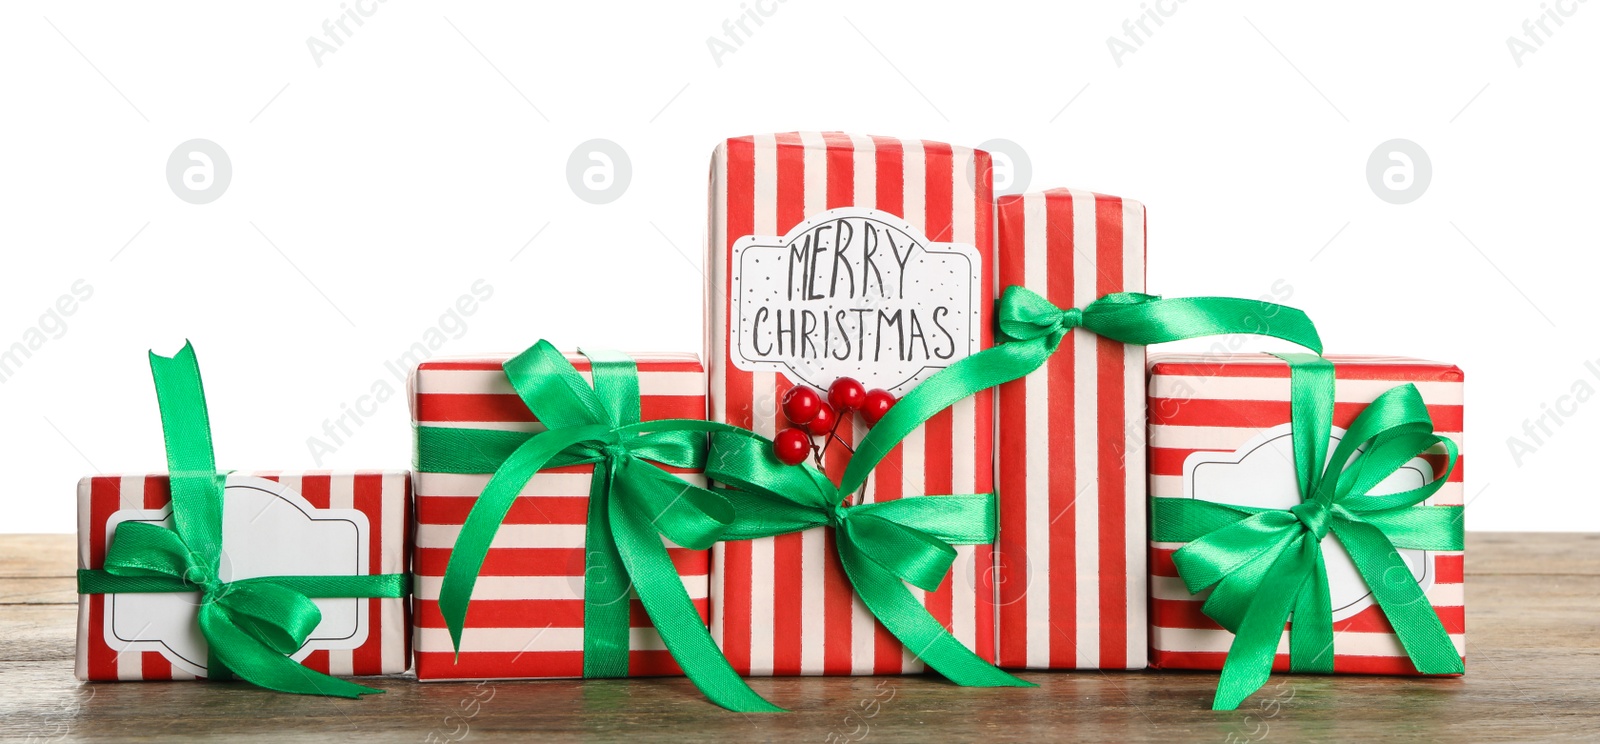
(144, 549)
(916, 557)
(1024, 315)
(281, 618)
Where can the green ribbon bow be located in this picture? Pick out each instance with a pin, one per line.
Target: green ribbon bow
(250, 625)
(632, 503)
(879, 544)
(1264, 564)
(909, 539)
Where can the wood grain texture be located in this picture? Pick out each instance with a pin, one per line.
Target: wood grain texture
(1533, 674)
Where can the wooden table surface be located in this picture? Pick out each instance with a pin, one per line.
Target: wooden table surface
(1533, 659)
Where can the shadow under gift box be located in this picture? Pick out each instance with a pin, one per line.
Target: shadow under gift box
(274, 523)
(526, 615)
(1219, 431)
(783, 605)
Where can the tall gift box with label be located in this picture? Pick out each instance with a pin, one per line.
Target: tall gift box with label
(833, 255)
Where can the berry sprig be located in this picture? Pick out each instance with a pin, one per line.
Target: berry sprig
(811, 416)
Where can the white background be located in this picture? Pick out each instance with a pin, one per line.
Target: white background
(429, 151)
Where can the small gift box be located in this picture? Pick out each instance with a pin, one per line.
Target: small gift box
(274, 523)
(527, 615)
(1330, 489)
(1070, 559)
(276, 578)
(835, 256)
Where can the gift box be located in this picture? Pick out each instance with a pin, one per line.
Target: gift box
(833, 255)
(273, 524)
(527, 605)
(1220, 431)
(1070, 558)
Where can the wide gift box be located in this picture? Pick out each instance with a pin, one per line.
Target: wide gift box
(1329, 489)
(273, 523)
(527, 601)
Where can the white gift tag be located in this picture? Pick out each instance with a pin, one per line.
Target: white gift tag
(853, 292)
(268, 529)
(1261, 474)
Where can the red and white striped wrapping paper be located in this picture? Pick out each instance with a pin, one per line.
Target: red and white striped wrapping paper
(783, 606)
(385, 499)
(1070, 559)
(1216, 403)
(526, 616)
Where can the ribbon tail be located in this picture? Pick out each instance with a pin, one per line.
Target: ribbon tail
(682, 628)
(251, 661)
(1255, 645)
(891, 602)
(1133, 318)
(605, 587)
(1311, 629)
(216, 668)
(478, 531)
(1412, 616)
(191, 462)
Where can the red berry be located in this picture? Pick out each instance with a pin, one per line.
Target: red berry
(846, 394)
(878, 402)
(800, 404)
(791, 447)
(821, 423)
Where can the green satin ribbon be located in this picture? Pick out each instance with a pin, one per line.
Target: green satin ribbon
(632, 504)
(1264, 564)
(251, 626)
(880, 545)
(1031, 329)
